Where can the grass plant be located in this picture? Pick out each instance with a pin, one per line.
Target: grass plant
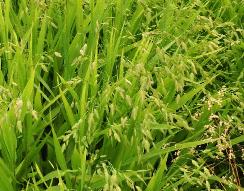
(121, 95)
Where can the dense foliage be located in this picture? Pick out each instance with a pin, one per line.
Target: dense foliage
(121, 95)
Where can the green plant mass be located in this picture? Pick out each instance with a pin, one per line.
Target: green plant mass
(121, 95)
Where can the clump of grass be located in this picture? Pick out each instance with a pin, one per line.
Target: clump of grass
(121, 95)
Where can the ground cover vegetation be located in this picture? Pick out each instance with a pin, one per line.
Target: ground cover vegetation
(121, 95)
